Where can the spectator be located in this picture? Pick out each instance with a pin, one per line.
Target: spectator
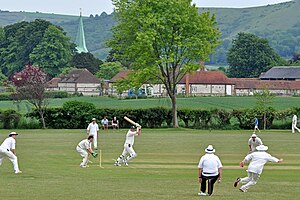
(115, 123)
(104, 123)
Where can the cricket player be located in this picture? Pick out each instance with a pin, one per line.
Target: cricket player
(257, 161)
(210, 170)
(84, 148)
(8, 149)
(256, 125)
(128, 146)
(294, 124)
(254, 142)
(93, 129)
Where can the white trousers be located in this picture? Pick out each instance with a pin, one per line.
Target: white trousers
(294, 126)
(250, 180)
(11, 157)
(128, 149)
(95, 140)
(84, 154)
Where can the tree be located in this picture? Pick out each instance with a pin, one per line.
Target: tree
(86, 60)
(263, 101)
(18, 42)
(250, 55)
(163, 40)
(108, 70)
(54, 51)
(30, 85)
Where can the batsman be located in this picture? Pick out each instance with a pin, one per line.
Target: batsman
(128, 146)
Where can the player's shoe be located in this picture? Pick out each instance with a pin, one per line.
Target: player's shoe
(236, 182)
(117, 164)
(202, 194)
(18, 172)
(126, 163)
(84, 166)
(243, 190)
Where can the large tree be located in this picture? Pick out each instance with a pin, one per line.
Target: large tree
(30, 85)
(250, 55)
(86, 60)
(163, 40)
(54, 51)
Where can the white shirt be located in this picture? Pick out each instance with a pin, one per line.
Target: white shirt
(85, 144)
(255, 143)
(210, 163)
(104, 121)
(9, 143)
(130, 137)
(93, 128)
(294, 119)
(258, 160)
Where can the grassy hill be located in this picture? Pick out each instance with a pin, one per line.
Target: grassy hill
(279, 23)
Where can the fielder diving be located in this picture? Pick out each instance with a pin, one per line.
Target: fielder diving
(128, 146)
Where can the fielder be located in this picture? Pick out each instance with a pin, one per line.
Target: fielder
(256, 125)
(84, 148)
(254, 142)
(93, 129)
(257, 161)
(294, 124)
(8, 149)
(128, 146)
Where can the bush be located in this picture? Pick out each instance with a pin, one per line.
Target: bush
(9, 118)
(6, 96)
(57, 94)
(29, 123)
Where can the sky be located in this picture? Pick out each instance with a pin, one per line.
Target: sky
(71, 7)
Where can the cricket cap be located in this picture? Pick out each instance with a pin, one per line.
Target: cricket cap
(253, 135)
(94, 119)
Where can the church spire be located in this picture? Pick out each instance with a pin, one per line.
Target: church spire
(80, 38)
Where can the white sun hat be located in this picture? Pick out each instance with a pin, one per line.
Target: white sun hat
(253, 135)
(210, 149)
(94, 119)
(262, 148)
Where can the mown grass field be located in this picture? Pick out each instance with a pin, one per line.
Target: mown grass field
(166, 166)
(279, 103)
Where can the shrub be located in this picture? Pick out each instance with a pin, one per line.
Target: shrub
(9, 118)
(57, 94)
(29, 123)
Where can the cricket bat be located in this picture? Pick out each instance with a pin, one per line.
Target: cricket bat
(130, 121)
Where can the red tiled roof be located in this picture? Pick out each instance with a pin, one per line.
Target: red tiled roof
(207, 77)
(244, 83)
(53, 82)
(119, 76)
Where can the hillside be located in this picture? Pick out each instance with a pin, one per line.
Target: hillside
(279, 23)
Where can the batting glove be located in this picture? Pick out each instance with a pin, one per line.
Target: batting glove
(137, 124)
(94, 154)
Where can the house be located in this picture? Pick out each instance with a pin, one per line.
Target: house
(80, 81)
(290, 73)
(205, 83)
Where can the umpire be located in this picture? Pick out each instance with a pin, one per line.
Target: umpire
(210, 170)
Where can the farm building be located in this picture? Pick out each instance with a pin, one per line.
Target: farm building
(79, 81)
(290, 73)
(214, 83)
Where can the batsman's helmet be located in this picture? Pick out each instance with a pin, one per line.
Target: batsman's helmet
(132, 127)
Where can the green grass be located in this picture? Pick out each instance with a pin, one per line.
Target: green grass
(280, 103)
(166, 166)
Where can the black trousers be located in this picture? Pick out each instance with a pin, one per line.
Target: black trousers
(211, 181)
